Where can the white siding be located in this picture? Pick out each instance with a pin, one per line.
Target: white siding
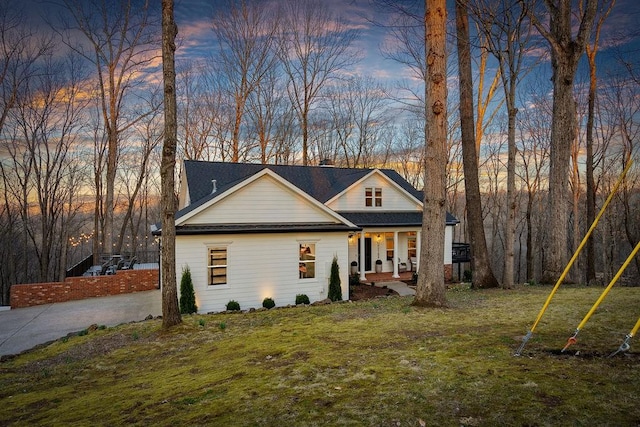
(264, 200)
(183, 196)
(448, 244)
(393, 199)
(260, 266)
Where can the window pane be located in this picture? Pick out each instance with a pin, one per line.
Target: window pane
(307, 262)
(217, 266)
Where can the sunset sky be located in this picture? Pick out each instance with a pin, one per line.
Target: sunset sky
(620, 35)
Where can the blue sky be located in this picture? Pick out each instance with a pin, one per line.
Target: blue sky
(620, 35)
(621, 29)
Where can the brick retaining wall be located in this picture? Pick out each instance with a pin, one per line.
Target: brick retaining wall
(76, 288)
(448, 272)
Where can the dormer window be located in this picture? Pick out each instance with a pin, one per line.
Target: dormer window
(373, 196)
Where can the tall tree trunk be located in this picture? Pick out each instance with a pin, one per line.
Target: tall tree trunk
(431, 289)
(565, 54)
(590, 269)
(483, 276)
(170, 310)
(510, 226)
(562, 135)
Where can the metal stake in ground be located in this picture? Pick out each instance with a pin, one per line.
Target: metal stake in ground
(573, 339)
(529, 334)
(625, 344)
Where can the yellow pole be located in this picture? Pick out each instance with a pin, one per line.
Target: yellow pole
(635, 329)
(574, 257)
(595, 306)
(608, 288)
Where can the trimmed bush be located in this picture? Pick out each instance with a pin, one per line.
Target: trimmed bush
(354, 279)
(187, 295)
(268, 303)
(302, 299)
(335, 291)
(233, 306)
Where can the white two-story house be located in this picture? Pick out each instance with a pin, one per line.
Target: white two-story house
(251, 231)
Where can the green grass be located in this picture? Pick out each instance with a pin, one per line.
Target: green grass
(380, 362)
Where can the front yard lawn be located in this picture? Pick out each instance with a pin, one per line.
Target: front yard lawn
(377, 362)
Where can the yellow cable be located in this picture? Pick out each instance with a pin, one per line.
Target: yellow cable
(584, 241)
(635, 329)
(608, 288)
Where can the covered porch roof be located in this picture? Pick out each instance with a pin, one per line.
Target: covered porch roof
(391, 218)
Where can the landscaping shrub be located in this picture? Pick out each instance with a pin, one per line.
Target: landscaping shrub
(335, 291)
(354, 279)
(268, 303)
(233, 305)
(302, 299)
(187, 295)
(467, 276)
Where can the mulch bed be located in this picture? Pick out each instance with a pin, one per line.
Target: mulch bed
(363, 292)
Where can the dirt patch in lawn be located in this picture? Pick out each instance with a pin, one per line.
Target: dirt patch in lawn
(363, 292)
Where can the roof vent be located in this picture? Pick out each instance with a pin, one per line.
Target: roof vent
(214, 186)
(326, 163)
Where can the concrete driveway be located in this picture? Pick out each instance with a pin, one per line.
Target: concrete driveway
(24, 328)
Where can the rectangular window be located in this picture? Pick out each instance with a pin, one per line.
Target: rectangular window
(378, 197)
(411, 244)
(389, 240)
(217, 265)
(307, 261)
(373, 197)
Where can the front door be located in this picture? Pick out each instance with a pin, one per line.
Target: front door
(367, 253)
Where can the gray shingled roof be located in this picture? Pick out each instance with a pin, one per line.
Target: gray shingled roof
(391, 219)
(320, 182)
(261, 228)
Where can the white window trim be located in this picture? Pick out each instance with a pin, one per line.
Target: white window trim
(373, 197)
(315, 261)
(213, 245)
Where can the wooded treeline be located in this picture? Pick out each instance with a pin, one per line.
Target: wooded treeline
(81, 121)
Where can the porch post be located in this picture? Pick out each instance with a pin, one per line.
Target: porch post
(396, 259)
(418, 245)
(361, 260)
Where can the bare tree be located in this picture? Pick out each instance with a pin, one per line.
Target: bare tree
(535, 138)
(135, 165)
(358, 113)
(271, 120)
(507, 31)
(170, 310)
(408, 151)
(121, 42)
(246, 34)
(482, 273)
(20, 52)
(42, 172)
(315, 46)
(592, 50)
(20, 49)
(431, 290)
(566, 51)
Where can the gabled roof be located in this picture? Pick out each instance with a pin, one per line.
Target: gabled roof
(320, 182)
(227, 190)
